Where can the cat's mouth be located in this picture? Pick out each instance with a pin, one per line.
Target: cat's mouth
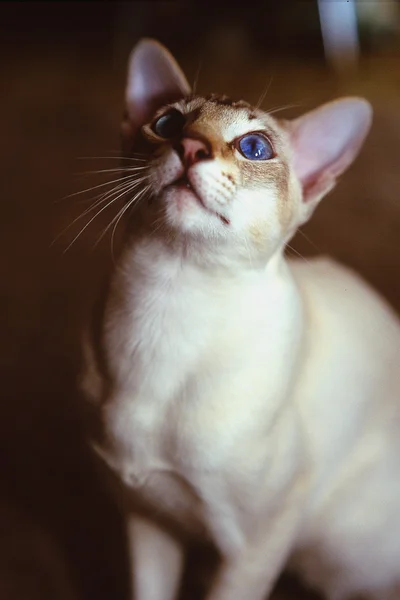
(183, 183)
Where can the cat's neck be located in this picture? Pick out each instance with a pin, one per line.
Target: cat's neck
(154, 279)
(170, 255)
(169, 316)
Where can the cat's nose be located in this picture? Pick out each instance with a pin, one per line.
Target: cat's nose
(192, 150)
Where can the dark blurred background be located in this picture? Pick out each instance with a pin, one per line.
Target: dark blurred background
(63, 75)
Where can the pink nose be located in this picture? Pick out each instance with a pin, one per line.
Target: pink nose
(192, 151)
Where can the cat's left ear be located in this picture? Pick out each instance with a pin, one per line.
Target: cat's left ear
(325, 142)
(154, 79)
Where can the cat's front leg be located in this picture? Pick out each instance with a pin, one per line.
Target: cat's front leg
(249, 574)
(157, 560)
(251, 570)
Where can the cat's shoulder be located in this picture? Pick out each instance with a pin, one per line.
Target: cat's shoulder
(331, 288)
(321, 267)
(323, 271)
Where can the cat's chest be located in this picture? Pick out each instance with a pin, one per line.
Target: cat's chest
(176, 444)
(187, 363)
(182, 424)
(169, 453)
(196, 381)
(146, 454)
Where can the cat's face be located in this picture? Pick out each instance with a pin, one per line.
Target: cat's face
(225, 173)
(221, 169)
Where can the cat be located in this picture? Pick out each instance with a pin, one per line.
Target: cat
(244, 399)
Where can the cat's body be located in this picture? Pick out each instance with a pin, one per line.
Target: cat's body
(249, 401)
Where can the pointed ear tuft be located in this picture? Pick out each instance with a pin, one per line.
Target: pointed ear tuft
(325, 142)
(154, 79)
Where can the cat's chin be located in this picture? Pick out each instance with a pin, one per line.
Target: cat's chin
(186, 208)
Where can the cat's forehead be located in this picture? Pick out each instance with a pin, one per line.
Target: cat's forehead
(231, 117)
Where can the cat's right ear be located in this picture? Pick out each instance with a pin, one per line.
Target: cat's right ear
(325, 142)
(154, 79)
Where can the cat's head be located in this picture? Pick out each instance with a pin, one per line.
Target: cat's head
(223, 173)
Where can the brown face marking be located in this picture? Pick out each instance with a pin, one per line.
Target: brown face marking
(285, 207)
(207, 117)
(193, 115)
(226, 101)
(213, 112)
(256, 175)
(257, 234)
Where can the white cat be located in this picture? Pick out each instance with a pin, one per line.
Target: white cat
(245, 399)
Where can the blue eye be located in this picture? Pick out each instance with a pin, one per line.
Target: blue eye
(255, 146)
(170, 124)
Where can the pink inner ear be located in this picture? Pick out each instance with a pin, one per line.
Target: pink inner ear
(154, 79)
(326, 141)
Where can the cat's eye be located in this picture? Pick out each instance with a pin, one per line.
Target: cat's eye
(255, 146)
(169, 124)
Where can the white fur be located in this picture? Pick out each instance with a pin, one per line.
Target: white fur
(253, 401)
(276, 390)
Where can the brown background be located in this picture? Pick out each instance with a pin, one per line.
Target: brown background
(63, 69)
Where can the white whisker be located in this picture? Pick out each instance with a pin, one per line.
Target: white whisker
(108, 193)
(127, 207)
(248, 251)
(128, 186)
(93, 218)
(196, 79)
(298, 253)
(264, 93)
(123, 209)
(308, 240)
(280, 108)
(116, 170)
(101, 198)
(157, 225)
(132, 158)
(95, 187)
